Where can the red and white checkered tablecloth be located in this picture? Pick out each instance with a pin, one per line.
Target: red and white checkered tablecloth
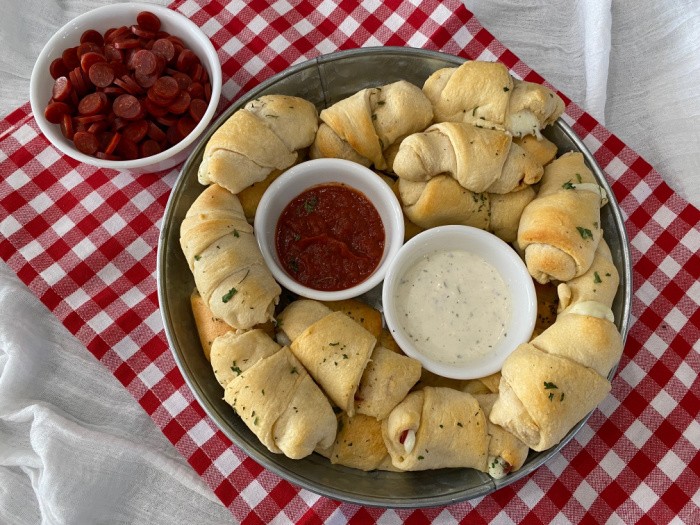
(84, 241)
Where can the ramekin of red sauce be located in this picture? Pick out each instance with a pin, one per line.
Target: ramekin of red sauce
(328, 228)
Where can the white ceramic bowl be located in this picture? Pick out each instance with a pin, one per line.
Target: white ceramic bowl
(101, 19)
(509, 266)
(323, 171)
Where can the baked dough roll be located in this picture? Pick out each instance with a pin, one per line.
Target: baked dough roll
(484, 94)
(386, 381)
(234, 353)
(437, 428)
(263, 136)
(599, 283)
(362, 126)
(335, 351)
(296, 317)
(548, 385)
(442, 201)
(359, 444)
(542, 150)
(208, 326)
(506, 452)
(560, 230)
(481, 160)
(229, 270)
(280, 403)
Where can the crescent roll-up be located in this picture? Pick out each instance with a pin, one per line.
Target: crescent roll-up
(549, 384)
(273, 394)
(437, 427)
(263, 136)
(442, 200)
(362, 126)
(484, 94)
(560, 229)
(229, 270)
(481, 160)
(358, 375)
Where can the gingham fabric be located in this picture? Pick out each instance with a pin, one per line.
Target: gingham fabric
(84, 241)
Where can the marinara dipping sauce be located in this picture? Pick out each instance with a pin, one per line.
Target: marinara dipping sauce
(330, 237)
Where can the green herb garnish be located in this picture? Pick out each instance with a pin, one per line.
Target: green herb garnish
(310, 204)
(235, 369)
(549, 386)
(229, 295)
(596, 278)
(568, 186)
(585, 232)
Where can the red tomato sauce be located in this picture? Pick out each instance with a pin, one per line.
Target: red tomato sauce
(330, 237)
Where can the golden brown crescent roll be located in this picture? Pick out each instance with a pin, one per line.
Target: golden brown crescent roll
(599, 283)
(359, 444)
(234, 353)
(548, 385)
(484, 94)
(387, 379)
(362, 126)
(261, 137)
(481, 160)
(437, 427)
(280, 403)
(542, 150)
(297, 316)
(560, 229)
(506, 452)
(335, 351)
(229, 270)
(442, 201)
(208, 326)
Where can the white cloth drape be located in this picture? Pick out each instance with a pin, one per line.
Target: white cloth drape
(76, 448)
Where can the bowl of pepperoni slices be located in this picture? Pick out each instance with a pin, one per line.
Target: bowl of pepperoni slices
(127, 86)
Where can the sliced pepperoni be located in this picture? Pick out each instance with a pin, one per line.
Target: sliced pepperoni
(135, 89)
(186, 60)
(185, 125)
(181, 103)
(67, 126)
(55, 110)
(173, 135)
(154, 109)
(70, 58)
(145, 81)
(197, 72)
(136, 131)
(101, 74)
(93, 103)
(156, 133)
(149, 148)
(183, 80)
(86, 142)
(167, 120)
(90, 58)
(92, 36)
(98, 127)
(111, 53)
(86, 120)
(118, 33)
(197, 109)
(196, 90)
(164, 48)
(142, 33)
(113, 143)
(207, 91)
(166, 87)
(58, 68)
(128, 149)
(148, 21)
(76, 78)
(106, 156)
(127, 107)
(88, 47)
(127, 43)
(61, 89)
(145, 62)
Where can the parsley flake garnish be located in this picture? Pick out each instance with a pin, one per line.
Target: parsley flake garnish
(568, 186)
(229, 295)
(596, 278)
(549, 386)
(585, 232)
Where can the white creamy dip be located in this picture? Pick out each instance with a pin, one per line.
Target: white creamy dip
(454, 306)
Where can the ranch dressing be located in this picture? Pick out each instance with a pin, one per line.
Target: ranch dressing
(454, 306)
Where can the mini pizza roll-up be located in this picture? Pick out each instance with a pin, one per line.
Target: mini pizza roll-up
(233, 353)
(265, 135)
(362, 126)
(481, 160)
(560, 229)
(358, 375)
(229, 270)
(275, 397)
(484, 94)
(437, 427)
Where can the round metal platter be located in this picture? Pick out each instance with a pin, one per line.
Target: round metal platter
(324, 81)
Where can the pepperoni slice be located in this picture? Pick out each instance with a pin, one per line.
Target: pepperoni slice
(166, 88)
(154, 109)
(86, 142)
(186, 60)
(197, 73)
(185, 125)
(55, 110)
(181, 103)
(196, 90)
(128, 149)
(112, 54)
(118, 33)
(92, 36)
(149, 148)
(127, 43)
(93, 103)
(183, 80)
(57, 68)
(142, 33)
(197, 109)
(76, 78)
(127, 107)
(113, 143)
(90, 58)
(70, 58)
(145, 62)
(148, 21)
(98, 127)
(101, 74)
(156, 133)
(88, 47)
(164, 48)
(145, 81)
(67, 126)
(136, 131)
(61, 89)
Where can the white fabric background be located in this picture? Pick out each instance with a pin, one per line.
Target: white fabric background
(76, 448)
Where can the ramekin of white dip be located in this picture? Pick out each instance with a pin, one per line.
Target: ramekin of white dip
(459, 300)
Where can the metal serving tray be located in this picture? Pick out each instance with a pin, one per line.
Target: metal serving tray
(324, 81)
